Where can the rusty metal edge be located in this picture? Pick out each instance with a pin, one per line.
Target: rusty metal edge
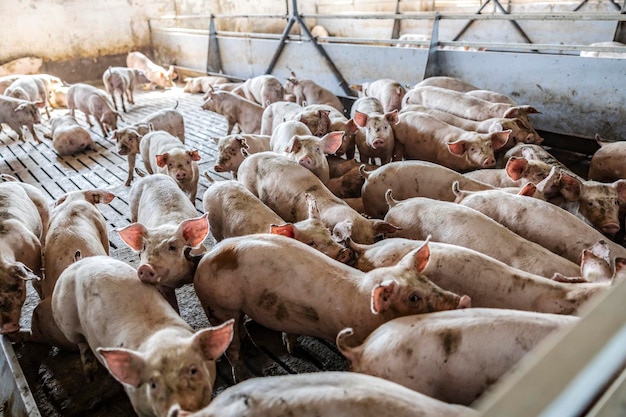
(15, 391)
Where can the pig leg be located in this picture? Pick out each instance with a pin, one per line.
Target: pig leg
(102, 128)
(131, 167)
(89, 361)
(18, 129)
(122, 100)
(31, 128)
(240, 372)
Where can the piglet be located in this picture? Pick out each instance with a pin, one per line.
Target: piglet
(93, 102)
(263, 89)
(229, 150)
(375, 138)
(121, 81)
(236, 109)
(100, 305)
(157, 75)
(30, 88)
(309, 92)
(69, 137)
(203, 84)
(17, 113)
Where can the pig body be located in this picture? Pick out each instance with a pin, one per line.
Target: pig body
(7, 80)
(389, 92)
(76, 227)
(375, 136)
(607, 163)
(229, 150)
(157, 75)
(279, 181)
(17, 113)
(424, 137)
(69, 137)
(29, 88)
(339, 122)
(121, 81)
(438, 365)
(418, 217)
(345, 394)
(265, 283)
(294, 140)
(203, 84)
(128, 138)
(262, 89)
(164, 224)
(517, 173)
(538, 221)
(93, 102)
(463, 105)
(236, 109)
(412, 179)
(276, 113)
(309, 92)
(234, 211)
(521, 130)
(164, 154)
(141, 340)
(489, 282)
(20, 245)
(492, 96)
(451, 83)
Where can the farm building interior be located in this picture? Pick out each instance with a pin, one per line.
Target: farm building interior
(559, 64)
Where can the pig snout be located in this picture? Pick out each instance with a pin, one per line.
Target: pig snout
(378, 143)
(122, 150)
(465, 302)
(610, 228)
(306, 162)
(181, 175)
(219, 168)
(489, 162)
(346, 256)
(146, 273)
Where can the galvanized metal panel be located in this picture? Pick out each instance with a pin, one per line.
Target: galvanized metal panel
(16, 400)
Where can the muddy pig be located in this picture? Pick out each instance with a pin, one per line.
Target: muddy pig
(236, 109)
(157, 75)
(17, 113)
(69, 137)
(229, 150)
(30, 88)
(122, 81)
(93, 102)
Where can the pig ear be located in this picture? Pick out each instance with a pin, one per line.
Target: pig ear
(360, 119)
(382, 227)
(499, 139)
(332, 141)
(392, 117)
(418, 259)
(98, 196)
(314, 211)
(214, 340)
(620, 186)
(570, 187)
(286, 230)
(161, 160)
(342, 231)
(457, 147)
(515, 167)
(125, 365)
(382, 296)
(528, 190)
(294, 145)
(352, 127)
(194, 231)
(195, 156)
(133, 235)
(21, 271)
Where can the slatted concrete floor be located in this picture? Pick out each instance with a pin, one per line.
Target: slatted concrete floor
(40, 165)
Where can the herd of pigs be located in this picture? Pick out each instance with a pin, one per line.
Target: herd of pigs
(436, 262)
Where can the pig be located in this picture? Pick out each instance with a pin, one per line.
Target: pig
(122, 81)
(418, 216)
(128, 138)
(235, 109)
(536, 152)
(164, 224)
(345, 394)
(309, 92)
(29, 88)
(518, 172)
(411, 179)
(21, 239)
(69, 137)
(450, 83)
(464, 105)
(229, 150)
(422, 136)
(538, 221)
(203, 84)
(348, 185)
(607, 162)
(228, 289)
(58, 97)
(438, 365)
(164, 154)
(234, 211)
(158, 76)
(93, 102)
(275, 113)
(17, 113)
(339, 122)
(279, 182)
(294, 140)
(151, 350)
(76, 226)
(389, 92)
(492, 96)
(494, 283)
(521, 130)
(7, 80)
(375, 136)
(262, 89)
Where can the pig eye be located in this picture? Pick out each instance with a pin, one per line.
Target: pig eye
(193, 370)
(153, 385)
(172, 248)
(311, 243)
(414, 298)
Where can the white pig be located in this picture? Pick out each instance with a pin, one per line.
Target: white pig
(309, 92)
(17, 113)
(163, 153)
(93, 102)
(607, 162)
(389, 92)
(157, 75)
(69, 137)
(452, 356)
(100, 305)
(375, 138)
(257, 276)
(203, 84)
(236, 109)
(518, 172)
(30, 88)
(229, 150)
(122, 81)
(263, 89)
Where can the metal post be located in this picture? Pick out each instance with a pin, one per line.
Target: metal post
(432, 63)
(395, 32)
(503, 10)
(620, 30)
(213, 60)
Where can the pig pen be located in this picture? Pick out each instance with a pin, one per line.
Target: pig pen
(55, 377)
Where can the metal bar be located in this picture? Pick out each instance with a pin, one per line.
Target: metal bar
(281, 45)
(468, 24)
(620, 30)
(432, 62)
(395, 32)
(213, 59)
(515, 24)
